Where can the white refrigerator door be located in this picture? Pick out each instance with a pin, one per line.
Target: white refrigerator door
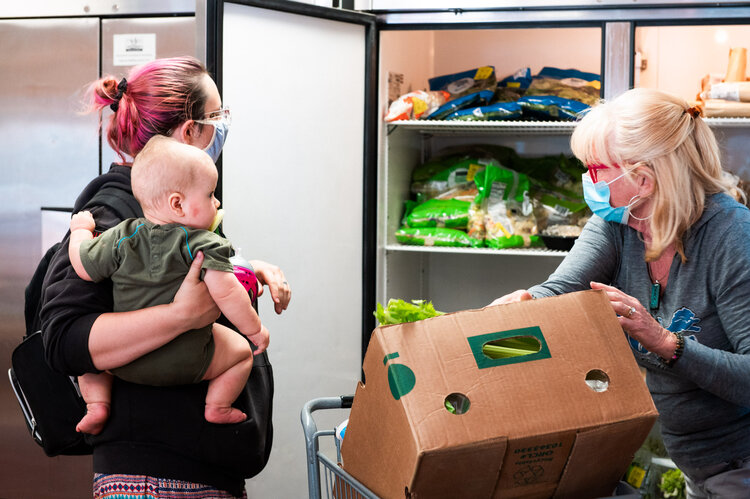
(293, 194)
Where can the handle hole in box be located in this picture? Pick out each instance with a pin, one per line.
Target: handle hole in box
(457, 403)
(515, 346)
(597, 380)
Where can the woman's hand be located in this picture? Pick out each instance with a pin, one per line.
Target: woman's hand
(515, 296)
(637, 322)
(193, 301)
(272, 276)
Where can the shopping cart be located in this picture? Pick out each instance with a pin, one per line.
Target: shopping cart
(337, 483)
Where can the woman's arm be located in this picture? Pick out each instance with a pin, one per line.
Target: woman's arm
(82, 334)
(594, 256)
(118, 338)
(273, 277)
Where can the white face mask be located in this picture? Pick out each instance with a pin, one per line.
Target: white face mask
(220, 122)
(221, 129)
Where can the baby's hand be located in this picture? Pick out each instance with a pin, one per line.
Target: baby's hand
(260, 339)
(82, 220)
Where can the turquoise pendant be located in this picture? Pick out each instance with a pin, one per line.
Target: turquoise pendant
(655, 296)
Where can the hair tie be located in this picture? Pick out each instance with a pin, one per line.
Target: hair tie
(693, 111)
(121, 88)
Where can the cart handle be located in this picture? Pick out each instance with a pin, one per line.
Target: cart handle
(311, 436)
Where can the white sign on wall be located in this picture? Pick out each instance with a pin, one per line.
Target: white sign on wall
(133, 48)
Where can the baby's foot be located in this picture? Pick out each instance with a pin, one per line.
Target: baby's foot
(96, 416)
(223, 415)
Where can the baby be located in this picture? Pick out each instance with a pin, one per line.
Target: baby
(147, 260)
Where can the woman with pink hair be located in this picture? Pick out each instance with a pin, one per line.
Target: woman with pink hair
(157, 440)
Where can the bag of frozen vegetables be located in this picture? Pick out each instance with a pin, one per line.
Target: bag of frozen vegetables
(439, 175)
(569, 84)
(465, 82)
(475, 99)
(451, 213)
(437, 236)
(493, 112)
(505, 208)
(512, 87)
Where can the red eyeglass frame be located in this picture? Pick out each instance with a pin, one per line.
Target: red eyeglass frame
(593, 169)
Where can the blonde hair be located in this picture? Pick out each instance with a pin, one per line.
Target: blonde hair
(164, 166)
(653, 129)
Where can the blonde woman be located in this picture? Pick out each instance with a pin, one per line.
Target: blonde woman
(670, 246)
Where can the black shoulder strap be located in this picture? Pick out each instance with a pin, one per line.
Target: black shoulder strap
(33, 292)
(123, 203)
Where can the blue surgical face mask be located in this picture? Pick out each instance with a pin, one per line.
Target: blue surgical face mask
(221, 129)
(597, 197)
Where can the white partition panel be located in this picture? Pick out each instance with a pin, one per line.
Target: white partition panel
(292, 190)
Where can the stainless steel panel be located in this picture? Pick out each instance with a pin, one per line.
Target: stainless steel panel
(456, 17)
(47, 152)
(617, 56)
(396, 5)
(175, 36)
(56, 8)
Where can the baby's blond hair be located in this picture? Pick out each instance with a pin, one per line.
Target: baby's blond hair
(164, 166)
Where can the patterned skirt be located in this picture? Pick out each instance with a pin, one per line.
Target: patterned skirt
(146, 487)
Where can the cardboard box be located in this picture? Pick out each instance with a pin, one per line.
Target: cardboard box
(533, 427)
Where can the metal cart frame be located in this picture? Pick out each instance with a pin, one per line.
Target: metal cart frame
(338, 483)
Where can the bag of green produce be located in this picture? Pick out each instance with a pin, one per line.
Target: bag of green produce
(558, 216)
(557, 173)
(506, 209)
(439, 175)
(437, 236)
(451, 213)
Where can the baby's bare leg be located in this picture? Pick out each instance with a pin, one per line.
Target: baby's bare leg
(96, 390)
(228, 372)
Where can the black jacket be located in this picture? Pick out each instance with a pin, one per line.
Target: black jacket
(154, 431)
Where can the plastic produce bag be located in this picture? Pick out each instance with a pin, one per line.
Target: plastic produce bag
(568, 84)
(557, 173)
(493, 112)
(414, 105)
(547, 107)
(474, 99)
(556, 215)
(436, 236)
(439, 175)
(465, 82)
(505, 208)
(511, 88)
(451, 213)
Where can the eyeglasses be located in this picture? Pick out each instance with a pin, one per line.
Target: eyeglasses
(593, 169)
(222, 114)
